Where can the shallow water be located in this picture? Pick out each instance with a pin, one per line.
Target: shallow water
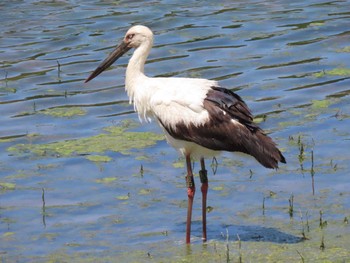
(80, 179)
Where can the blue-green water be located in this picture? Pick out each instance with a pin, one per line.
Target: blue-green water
(290, 61)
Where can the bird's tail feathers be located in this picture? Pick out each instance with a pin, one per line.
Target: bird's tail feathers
(264, 150)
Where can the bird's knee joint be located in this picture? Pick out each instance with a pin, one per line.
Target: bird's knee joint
(190, 192)
(189, 181)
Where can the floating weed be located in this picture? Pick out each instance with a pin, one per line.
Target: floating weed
(286, 124)
(46, 166)
(115, 139)
(334, 72)
(218, 188)
(259, 119)
(7, 90)
(210, 208)
(155, 233)
(18, 175)
(98, 158)
(317, 24)
(272, 194)
(212, 251)
(144, 191)
(7, 186)
(344, 50)
(143, 158)
(8, 235)
(66, 112)
(319, 104)
(49, 236)
(73, 245)
(179, 164)
(3, 140)
(106, 180)
(123, 197)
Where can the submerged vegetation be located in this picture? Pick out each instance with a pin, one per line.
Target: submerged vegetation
(64, 112)
(115, 138)
(334, 72)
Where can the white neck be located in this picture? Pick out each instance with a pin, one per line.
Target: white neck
(135, 69)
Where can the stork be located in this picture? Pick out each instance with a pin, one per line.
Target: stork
(198, 116)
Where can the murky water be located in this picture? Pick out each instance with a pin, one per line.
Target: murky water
(79, 179)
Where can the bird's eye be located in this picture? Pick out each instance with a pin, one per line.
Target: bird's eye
(130, 36)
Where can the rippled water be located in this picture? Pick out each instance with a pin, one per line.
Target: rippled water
(290, 61)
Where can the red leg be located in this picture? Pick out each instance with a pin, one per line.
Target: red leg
(190, 193)
(204, 188)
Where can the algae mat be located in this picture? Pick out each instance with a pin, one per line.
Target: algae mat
(115, 138)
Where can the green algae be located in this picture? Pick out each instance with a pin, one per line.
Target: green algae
(18, 175)
(48, 236)
(123, 197)
(167, 248)
(7, 90)
(315, 110)
(144, 191)
(317, 24)
(218, 188)
(6, 140)
(8, 234)
(333, 72)
(344, 50)
(212, 251)
(319, 104)
(99, 158)
(179, 163)
(106, 180)
(7, 186)
(66, 112)
(115, 139)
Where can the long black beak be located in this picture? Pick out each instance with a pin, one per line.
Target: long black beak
(117, 53)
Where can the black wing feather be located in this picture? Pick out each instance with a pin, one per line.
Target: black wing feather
(230, 128)
(232, 104)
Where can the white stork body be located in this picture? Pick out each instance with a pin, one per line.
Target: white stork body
(199, 117)
(171, 101)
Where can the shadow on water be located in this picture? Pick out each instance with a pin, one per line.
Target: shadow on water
(261, 234)
(246, 233)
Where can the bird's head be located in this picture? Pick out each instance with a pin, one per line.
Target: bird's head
(138, 35)
(135, 37)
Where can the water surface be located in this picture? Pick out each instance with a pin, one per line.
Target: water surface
(72, 188)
